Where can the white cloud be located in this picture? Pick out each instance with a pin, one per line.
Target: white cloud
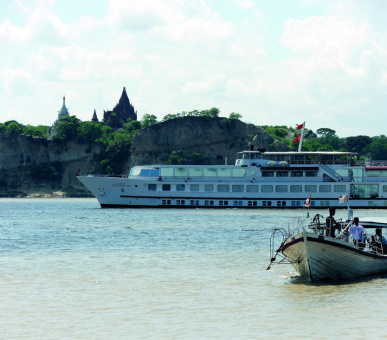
(175, 56)
(17, 82)
(247, 4)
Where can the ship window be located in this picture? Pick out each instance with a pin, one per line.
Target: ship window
(237, 188)
(282, 174)
(195, 172)
(325, 188)
(135, 171)
(296, 188)
(266, 203)
(166, 187)
(180, 202)
(281, 203)
(181, 172)
(223, 203)
(267, 173)
(357, 175)
(152, 187)
(238, 172)
(209, 203)
(253, 172)
(166, 202)
(384, 188)
(194, 202)
(180, 187)
(224, 172)
(194, 187)
(149, 173)
(267, 188)
(339, 188)
(311, 173)
(296, 173)
(237, 203)
(252, 188)
(372, 173)
(209, 187)
(281, 188)
(166, 172)
(310, 188)
(209, 172)
(365, 190)
(223, 188)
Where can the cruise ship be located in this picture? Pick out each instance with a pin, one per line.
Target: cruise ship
(258, 179)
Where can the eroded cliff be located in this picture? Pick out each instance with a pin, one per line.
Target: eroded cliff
(37, 167)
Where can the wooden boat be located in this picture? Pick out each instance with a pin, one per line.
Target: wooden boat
(318, 257)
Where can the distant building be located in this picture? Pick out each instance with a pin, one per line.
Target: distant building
(95, 118)
(120, 113)
(63, 112)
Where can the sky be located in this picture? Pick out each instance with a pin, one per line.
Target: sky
(277, 62)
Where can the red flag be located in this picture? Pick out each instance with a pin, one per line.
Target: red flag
(78, 172)
(299, 127)
(297, 139)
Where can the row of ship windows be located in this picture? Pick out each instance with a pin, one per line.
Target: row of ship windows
(247, 188)
(225, 203)
(218, 172)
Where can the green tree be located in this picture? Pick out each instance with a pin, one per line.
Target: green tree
(14, 128)
(358, 143)
(132, 125)
(67, 129)
(148, 120)
(325, 131)
(117, 152)
(211, 113)
(90, 131)
(377, 149)
(177, 158)
(35, 131)
(169, 116)
(235, 115)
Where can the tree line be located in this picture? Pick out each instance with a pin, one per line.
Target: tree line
(116, 142)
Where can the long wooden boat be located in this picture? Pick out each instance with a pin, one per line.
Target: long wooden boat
(318, 257)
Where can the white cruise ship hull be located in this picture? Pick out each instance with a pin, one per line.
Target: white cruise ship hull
(257, 180)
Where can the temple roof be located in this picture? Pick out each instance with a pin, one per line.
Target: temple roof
(63, 112)
(124, 100)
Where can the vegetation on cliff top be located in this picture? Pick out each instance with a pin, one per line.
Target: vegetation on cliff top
(117, 142)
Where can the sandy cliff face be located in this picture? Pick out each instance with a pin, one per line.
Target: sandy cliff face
(24, 161)
(19, 154)
(214, 138)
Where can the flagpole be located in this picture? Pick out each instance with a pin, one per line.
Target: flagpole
(350, 214)
(302, 135)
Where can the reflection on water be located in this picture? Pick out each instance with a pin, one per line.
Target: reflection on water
(72, 270)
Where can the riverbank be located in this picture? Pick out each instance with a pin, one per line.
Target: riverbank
(68, 193)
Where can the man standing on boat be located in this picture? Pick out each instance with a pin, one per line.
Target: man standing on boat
(357, 232)
(381, 241)
(331, 223)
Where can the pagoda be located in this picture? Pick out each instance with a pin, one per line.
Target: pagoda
(63, 112)
(120, 113)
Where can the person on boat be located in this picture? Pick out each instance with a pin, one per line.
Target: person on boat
(380, 240)
(357, 232)
(331, 223)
